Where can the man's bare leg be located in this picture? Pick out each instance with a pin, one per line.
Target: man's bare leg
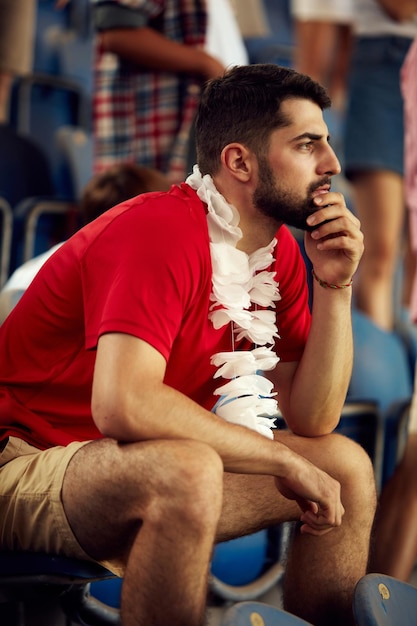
(378, 197)
(321, 570)
(6, 80)
(395, 542)
(153, 507)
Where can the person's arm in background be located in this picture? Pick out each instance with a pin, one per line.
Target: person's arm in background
(130, 34)
(146, 47)
(400, 10)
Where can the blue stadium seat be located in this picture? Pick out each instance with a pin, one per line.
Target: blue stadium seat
(259, 614)
(381, 370)
(381, 600)
(40, 217)
(51, 590)
(247, 567)
(240, 561)
(382, 374)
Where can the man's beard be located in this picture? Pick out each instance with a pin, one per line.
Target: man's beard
(282, 205)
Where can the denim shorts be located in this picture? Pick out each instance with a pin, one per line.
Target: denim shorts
(374, 126)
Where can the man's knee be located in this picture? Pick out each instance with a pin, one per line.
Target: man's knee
(190, 489)
(341, 457)
(154, 480)
(348, 462)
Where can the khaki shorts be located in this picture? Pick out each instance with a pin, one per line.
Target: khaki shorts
(32, 516)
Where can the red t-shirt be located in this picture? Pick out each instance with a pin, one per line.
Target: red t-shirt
(142, 268)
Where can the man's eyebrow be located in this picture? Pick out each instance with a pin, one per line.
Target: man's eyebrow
(311, 136)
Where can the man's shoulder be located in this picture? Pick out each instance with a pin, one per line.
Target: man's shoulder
(180, 205)
(172, 219)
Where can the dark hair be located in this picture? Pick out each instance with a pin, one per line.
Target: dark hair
(244, 106)
(116, 184)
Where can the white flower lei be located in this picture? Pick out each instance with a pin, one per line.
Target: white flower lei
(238, 281)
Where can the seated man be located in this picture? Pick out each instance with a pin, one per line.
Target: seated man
(135, 427)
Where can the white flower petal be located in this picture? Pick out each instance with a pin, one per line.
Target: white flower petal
(228, 261)
(265, 358)
(240, 411)
(232, 296)
(221, 317)
(265, 430)
(245, 385)
(232, 364)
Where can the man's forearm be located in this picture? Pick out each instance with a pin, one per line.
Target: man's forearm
(150, 49)
(323, 374)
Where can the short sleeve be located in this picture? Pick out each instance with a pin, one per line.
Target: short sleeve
(141, 279)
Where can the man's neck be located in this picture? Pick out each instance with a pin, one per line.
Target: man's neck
(257, 233)
(258, 230)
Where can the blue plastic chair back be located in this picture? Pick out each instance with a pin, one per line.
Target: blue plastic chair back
(75, 149)
(381, 371)
(259, 614)
(240, 561)
(38, 588)
(381, 600)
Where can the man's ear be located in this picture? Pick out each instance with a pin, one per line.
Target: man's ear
(238, 161)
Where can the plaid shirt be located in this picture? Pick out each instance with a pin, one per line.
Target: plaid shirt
(139, 115)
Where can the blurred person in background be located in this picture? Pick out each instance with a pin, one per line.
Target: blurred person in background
(323, 33)
(374, 153)
(395, 543)
(17, 24)
(151, 61)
